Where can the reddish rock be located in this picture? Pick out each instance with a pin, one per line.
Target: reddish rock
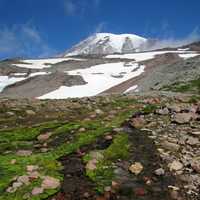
(139, 192)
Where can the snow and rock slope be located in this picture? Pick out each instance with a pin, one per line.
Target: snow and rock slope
(107, 43)
(103, 63)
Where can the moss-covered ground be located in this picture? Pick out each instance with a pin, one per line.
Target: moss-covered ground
(24, 136)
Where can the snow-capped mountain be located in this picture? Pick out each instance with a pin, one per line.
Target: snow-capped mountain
(107, 43)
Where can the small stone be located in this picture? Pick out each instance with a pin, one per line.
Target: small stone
(118, 130)
(170, 146)
(37, 190)
(96, 155)
(164, 111)
(174, 195)
(50, 183)
(44, 137)
(175, 166)
(175, 108)
(24, 152)
(31, 168)
(86, 194)
(91, 165)
(82, 129)
(99, 112)
(196, 164)
(44, 150)
(138, 122)
(136, 168)
(13, 161)
(30, 112)
(108, 137)
(107, 189)
(182, 118)
(115, 185)
(10, 113)
(17, 185)
(195, 133)
(140, 192)
(34, 175)
(193, 141)
(11, 190)
(23, 179)
(159, 172)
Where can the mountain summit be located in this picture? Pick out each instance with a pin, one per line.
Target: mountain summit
(108, 43)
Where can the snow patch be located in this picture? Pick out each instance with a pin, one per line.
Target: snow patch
(99, 78)
(138, 57)
(6, 80)
(44, 63)
(189, 55)
(133, 88)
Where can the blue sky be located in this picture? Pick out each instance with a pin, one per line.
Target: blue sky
(33, 28)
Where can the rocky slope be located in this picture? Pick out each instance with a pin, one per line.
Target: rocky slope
(103, 148)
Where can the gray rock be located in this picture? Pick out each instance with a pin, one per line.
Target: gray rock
(37, 190)
(159, 172)
(24, 152)
(30, 112)
(50, 183)
(170, 146)
(182, 118)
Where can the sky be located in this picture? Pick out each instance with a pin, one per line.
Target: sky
(42, 28)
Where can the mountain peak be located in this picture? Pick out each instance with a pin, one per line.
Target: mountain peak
(108, 43)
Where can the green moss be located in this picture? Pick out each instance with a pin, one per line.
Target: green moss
(19, 138)
(192, 86)
(104, 173)
(150, 108)
(25, 133)
(118, 149)
(194, 99)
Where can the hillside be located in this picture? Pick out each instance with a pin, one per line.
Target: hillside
(101, 127)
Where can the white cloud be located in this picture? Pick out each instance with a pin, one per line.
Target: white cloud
(23, 40)
(174, 42)
(80, 7)
(100, 27)
(70, 7)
